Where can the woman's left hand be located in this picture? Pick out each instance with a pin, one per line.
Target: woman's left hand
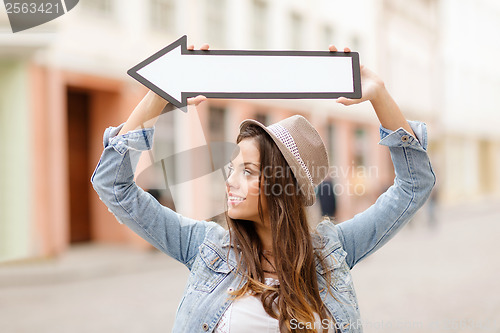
(371, 84)
(373, 90)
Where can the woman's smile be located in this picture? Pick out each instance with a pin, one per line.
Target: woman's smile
(234, 199)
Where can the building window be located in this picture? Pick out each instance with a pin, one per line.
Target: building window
(331, 144)
(164, 144)
(217, 132)
(259, 24)
(360, 147)
(262, 118)
(217, 128)
(220, 152)
(295, 31)
(99, 6)
(216, 22)
(162, 13)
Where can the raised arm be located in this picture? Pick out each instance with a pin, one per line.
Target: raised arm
(407, 141)
(113, 180)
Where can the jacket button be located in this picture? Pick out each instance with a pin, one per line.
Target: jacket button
(205, 326)
(405, 138)
(230, 289)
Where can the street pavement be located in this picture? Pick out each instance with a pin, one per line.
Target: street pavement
(440, 278)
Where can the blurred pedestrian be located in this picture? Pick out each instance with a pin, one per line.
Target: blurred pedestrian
(325, 192)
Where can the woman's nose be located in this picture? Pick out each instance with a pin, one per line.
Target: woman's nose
(231, 180)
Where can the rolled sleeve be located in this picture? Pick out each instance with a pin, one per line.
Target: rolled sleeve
(401, 137)
(139, 140)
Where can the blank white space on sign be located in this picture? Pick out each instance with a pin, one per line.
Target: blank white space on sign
(176, 72)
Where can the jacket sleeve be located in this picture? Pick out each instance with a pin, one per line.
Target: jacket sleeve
(368, 231)
(113, 180)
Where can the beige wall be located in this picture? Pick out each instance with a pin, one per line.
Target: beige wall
(15, 161)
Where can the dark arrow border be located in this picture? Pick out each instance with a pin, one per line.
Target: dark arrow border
(247, 95)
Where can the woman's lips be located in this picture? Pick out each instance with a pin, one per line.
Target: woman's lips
(234, 200)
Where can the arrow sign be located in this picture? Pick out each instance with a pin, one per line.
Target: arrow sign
(176, 73)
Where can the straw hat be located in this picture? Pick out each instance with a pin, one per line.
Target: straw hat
(303, 149)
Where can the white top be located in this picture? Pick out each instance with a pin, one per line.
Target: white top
(247, 314)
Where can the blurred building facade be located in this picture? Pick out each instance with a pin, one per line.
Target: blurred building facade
(64, 82)
(470, 103)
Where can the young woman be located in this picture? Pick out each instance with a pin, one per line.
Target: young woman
(269, 272)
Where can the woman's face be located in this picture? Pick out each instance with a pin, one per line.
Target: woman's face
(242, 184)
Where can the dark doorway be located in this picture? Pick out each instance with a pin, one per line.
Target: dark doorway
(78, 109)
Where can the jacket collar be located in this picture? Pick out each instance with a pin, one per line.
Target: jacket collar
(225, 240)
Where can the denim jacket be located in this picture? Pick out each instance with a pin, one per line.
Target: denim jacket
(203, 245)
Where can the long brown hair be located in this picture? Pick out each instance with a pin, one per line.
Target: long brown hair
(293, 251)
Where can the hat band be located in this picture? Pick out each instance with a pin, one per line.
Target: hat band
(286, 138)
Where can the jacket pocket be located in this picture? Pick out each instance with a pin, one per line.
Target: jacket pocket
(340, 276)
(335, 265)
(211, 269)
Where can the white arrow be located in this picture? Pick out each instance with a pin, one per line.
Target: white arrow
(176, 73)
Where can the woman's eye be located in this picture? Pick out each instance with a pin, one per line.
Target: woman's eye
(245, 172)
